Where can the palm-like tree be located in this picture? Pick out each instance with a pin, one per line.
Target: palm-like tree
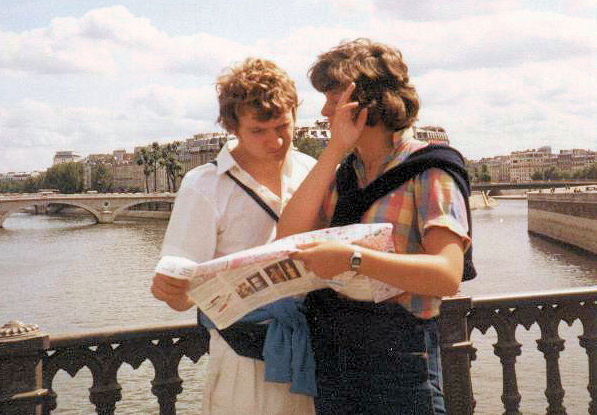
(169, 160)
(148, 158)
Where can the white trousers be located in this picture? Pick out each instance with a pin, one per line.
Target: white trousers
(235, 385)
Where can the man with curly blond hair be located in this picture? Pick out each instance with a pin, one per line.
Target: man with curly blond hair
(214, 215)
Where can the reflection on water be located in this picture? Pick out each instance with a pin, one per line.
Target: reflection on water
(69, 274)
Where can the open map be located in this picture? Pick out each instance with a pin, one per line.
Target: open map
(228, 287)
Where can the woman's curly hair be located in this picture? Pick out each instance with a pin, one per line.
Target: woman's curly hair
(256, 84)
(381, 78)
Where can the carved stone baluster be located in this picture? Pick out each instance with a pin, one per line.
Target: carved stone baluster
(71, 360)
(588, 340)
(455, 350)
(167, 384)
(22, 347)
(507, 348)
(105, 391)
(551, 344)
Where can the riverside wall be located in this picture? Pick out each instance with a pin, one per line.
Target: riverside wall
(568, 216)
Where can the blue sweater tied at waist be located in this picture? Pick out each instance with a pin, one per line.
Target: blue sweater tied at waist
(287, 351)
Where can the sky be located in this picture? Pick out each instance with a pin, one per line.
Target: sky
(93, 76)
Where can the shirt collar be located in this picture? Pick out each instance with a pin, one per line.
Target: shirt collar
(224, 158)
(400, 140)
(402, 136)
(226, 161)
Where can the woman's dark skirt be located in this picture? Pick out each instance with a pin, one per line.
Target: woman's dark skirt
(373, 358)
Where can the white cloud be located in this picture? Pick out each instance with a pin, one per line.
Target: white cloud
(111, 40)
(173, 103)
(433, 10)
(499, 76)
(538, 103)
(155, 113)
(354, 6)
(501, 40)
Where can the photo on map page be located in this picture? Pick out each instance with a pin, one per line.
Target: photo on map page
(257, 282)
(244, 289)
(275, 273)
(290, 270)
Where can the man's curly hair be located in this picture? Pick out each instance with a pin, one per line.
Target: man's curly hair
(256, 84)
(381, 78)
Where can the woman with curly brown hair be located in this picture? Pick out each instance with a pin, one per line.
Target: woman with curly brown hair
(378, 358)
(231, 205)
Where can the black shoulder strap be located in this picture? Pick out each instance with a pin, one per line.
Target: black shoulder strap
(251, 193)
(246, 339)
(354, 202)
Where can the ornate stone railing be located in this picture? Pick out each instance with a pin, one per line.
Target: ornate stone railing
(460, 316)
(29, 358)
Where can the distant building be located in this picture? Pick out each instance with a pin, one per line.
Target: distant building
(431, 134)
(520, 166)
(575, 159)
(12, 176)
(201, 149)
(319, 131)
(65, 157)
(523, 164)
(119, 155)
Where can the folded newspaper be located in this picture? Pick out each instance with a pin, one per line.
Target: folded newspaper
(228, 287)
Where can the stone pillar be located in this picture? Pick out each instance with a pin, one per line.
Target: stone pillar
(456, 351)
(22, 347)
(105, 216)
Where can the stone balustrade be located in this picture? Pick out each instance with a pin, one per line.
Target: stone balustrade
(29, 358)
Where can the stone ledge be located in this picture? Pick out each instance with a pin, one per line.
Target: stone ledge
(574, 230)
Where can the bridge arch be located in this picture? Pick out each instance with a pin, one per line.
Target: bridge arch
(124, 207)
(24, 204)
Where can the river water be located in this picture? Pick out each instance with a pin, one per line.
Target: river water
(68, 274)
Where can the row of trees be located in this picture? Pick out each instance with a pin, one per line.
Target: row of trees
(69, 177)
(65, 177)
(550, 173)
(155, 156)
(553, 173)
(482, 175)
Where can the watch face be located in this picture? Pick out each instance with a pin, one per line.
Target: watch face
(355, 260)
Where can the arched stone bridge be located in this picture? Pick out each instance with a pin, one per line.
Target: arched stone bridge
(105, 207)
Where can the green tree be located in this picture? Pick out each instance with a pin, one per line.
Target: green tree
(537, 175)
(143, 160)
(33, 184)
(66, 177)
(149, 158)
(10, 187)
(155, 153)
(102, 179)
(591, 172)
(309, 145)
(484, 177)
(169, 160)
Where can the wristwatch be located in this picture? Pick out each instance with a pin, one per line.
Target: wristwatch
(355, 260)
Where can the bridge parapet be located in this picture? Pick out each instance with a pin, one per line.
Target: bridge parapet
(23, 390)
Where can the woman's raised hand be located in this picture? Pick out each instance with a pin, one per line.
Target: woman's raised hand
(344, 128)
